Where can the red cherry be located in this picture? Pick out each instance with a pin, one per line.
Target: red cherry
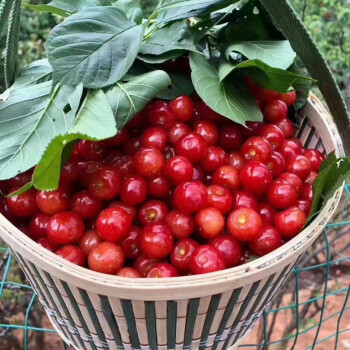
(86, 205)
(183, 108)
(154, 137)
(162, 270)
(299, 165)
(235, 160)
(148, 161)
(206, 259)
(89, 241)
(267, 213)
(256, 178)
(177, 131)
(267, 94)
(133, 190)
(276, 164)
(275, 111)
(128, 272)
(252, 129)
(72, 254)
(274, 135)
(244, 199)
(119, 139)
(289, 98)
(106, 258)
(156, 241)
(229, 248)
(190, 196)
(292, 179)
(286, 126)
(204, 112)
(38, 226)
(86, 169)
(139, 121)
(105, 184)
(54, 201)
(159, 186)
(231, 138)
(210, 222)
(131, 243)
(47, 244)
(198, 174)
(179, 169)
(24, 204)
(256, 148)
(151, 212)
(282, 195)
(307, 193)
(5, 211)
(143, 264)
(311, 178)
(227, 176)
(169, 152)
(305, 206)
(250, 84)
(131, 210)
(70, 171)
(113, 224)
(132, 145)
(244, 224)
(290, 148)
(220, 198)
(65, 228)
(160, 114)
(192, 147)
(268, 240)
(21, 179)
(208, 130)
(181, 225)
(290, 222)
(182, 253)
(92, 150)
(213, 159)
(315, 157)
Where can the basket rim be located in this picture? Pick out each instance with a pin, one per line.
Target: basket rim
(143, 284)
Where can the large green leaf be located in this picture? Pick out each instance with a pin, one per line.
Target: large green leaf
(127, 99)
(181, 84)
(172, 10)
(95, 121)
(30, 119)
(66, 7)
(131, 8)
(224, 98)
(158, 59)
(272, 78)
(277, 54)
(95, 47)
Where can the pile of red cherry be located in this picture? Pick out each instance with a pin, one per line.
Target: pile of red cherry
(180, 190)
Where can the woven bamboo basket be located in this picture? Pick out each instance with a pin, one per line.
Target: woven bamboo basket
(213, 311)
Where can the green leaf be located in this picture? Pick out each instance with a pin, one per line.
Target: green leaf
(224, 68)
(172, 10)
(181, 84)
(131, 8)
(95, 47)
(224, 98)
(302, 87)
(158, 59)
(30, 119)
(95, 121)
(127, 99)
(174, 36)
(277, 54)
(272, 78)
(66, 7)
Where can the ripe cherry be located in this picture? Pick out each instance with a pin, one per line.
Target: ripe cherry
(156, 241)
(230, 138)
(159, 186)
(276, 110)
(22, 205)
(315, 157)
(160, 114)
(204, 112)
(274, 135)
(290, 222)
(47, 244)
(38, 226)
(151, 212)
(183, 108)
(72, 254)
(267, 94)
(235, 160)
(181, 225)
(299, 165)
(105, 184)
(198, 174)
(244, 199)
(182, 253)
(132, 145)
(289, 98)
(220, 198)
(86, 169)
(267, 213)
(113, 224)
(106, 258)
(268, 240)
(276, 164)
(178, 169)
(143, 264)
(119, 139)
(154, 137)
(290, 148)
(256, 148)
(89, 241)
(162, 270)
(92, 150)
(128, 272)
(252, 129)
(229, 248)
(177, 131)
(286, 126)
(148, 161)
(306, 193)
(282, 195)
(292, 179)
(244, 224)
(256, 178)
(213, 159)
(208, 131)
(210, 222)
(192, 147)
(190, 196)
(311, 177)
(206, 259)
(131, 210)
(54, 201)
(131, 243)
(169, 152)
(133, 190)
(227, 176)
(20, 179)
(86, 205)
(70, 171)
(65, 228)
(305, 206)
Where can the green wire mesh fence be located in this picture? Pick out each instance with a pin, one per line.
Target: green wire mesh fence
(311, 311)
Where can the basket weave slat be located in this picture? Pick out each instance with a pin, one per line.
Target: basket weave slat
(215, 311)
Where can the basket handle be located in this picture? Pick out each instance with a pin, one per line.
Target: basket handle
(289, 23)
